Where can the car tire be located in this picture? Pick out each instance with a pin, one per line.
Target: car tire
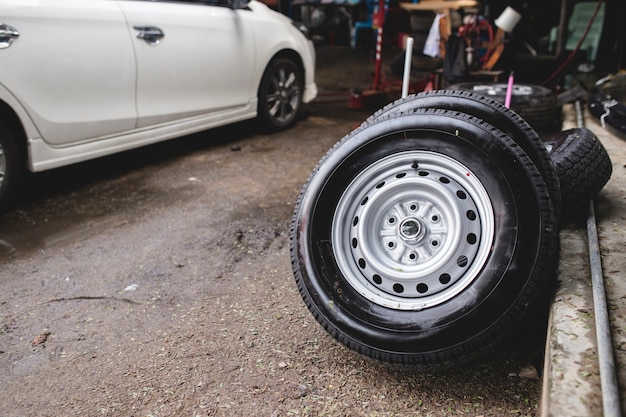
(583, 166)
(423, 237)
(494, 113)
(534, 103)
(9, 165)
(280, 94)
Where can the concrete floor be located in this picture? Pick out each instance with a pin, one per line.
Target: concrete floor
(154, 306)
(572, 380)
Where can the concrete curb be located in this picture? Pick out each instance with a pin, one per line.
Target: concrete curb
(571, 379)
(571, 383)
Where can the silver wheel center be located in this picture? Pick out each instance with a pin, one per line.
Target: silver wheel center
(412, 230)
(283, 97)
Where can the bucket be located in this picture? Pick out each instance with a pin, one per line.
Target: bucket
(508, 19)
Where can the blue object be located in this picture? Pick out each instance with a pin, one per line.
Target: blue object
(372, 8)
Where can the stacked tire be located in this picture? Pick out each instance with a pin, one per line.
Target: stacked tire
(430, 233)
(537, 105)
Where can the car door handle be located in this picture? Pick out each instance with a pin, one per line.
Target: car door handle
(7, 35)
(152, 35)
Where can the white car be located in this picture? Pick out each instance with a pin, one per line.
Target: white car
(80, 79)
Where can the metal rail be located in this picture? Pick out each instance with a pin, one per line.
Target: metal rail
(608, 378)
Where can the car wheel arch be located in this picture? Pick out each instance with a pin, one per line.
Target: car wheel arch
(288, 54)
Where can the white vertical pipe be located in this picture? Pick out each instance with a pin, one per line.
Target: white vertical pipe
(408, 56)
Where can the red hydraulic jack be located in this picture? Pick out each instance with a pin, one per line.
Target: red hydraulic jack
(375, 96)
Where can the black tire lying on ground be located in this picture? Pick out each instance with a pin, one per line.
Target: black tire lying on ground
(535, 104)
(424, 236)
(494, 113)
(583, 166)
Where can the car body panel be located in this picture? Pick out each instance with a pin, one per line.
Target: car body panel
(44, 156)
(183, 66)
(77, 73)
(119, 91)
(270, 42)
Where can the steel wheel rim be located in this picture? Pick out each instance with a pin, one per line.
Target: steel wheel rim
(283, 95)
(412, 230)
(500, 89)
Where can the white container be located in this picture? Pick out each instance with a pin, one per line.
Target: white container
(508, 19)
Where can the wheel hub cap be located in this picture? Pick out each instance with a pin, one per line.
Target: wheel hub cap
(283, 95)
(412, 230)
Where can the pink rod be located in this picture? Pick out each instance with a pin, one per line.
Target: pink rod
(509, 91)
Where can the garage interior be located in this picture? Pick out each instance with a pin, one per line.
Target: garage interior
(159, 281)
(541, 46)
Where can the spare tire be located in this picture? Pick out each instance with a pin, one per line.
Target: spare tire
(534, 103)
(424, 237)
(583, 166)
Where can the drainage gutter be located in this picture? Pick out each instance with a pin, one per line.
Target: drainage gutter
(606, 358)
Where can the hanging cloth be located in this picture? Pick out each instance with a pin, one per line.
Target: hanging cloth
(431, 47)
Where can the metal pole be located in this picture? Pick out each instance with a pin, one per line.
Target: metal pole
(380, 22)
(560, 37)
(379, 47)
(408, 56)
(608, 378)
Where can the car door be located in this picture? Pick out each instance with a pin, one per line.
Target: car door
(193, 58)
(72, 67)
